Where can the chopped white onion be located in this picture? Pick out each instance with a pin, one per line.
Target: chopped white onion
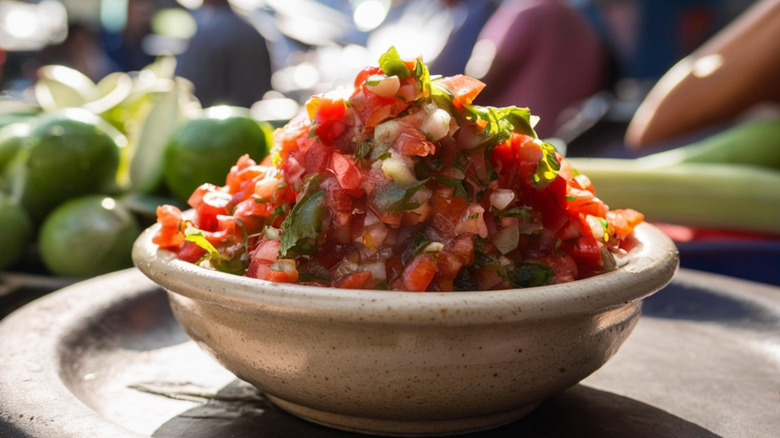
(387, 132)
(597, 228)
(399, 168)
(377, 270)
(501, 198)
(434, 247)
(386, 87)
(437, 124)
(507, 239)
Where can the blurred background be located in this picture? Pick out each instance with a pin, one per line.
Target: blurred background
(148, 66)
(548, 55)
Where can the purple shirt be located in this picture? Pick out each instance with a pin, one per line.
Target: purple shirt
(548, 58)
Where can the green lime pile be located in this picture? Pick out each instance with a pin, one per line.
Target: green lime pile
(14, 243)
(83, 173)
(65, 155)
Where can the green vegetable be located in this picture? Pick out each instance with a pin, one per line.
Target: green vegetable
(397, 199)
(729, 180)
(17, 231)
(233, 265)
(548, 166)
(66, 155)
(12, 138)
(88, 236)
(424, 76)
(754, 143)
(392, 64)
(501, 122)
(709, 195)
(303, 222)
(530, 275)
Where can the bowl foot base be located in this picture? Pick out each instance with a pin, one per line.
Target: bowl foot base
(389, 427)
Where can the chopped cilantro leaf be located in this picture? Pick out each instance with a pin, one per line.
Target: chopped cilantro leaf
(363, 150)
(303, 222)
(548, 167)
(530, 275)
(392, 64)
(397, 199)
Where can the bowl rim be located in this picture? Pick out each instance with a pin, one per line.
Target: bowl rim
(648, 267)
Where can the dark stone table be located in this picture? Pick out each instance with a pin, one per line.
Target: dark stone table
(105, 358)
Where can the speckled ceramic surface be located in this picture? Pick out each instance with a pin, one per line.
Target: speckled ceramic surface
(401, 363)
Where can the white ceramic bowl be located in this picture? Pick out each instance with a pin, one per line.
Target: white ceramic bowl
(401, 363)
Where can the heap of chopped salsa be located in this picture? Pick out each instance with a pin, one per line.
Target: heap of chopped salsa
(401, 183)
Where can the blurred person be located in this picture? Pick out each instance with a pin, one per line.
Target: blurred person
(125, 48)
(469, 17)
(540, 54)
(227, 59)
(82, 51)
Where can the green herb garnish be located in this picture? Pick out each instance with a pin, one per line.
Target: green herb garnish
(392, 64)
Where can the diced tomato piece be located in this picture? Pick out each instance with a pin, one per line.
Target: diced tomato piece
(190, 252)
(286, 140)
(244, 170)
(419, 273)
(464, 88)
(585, 250)
(447, 213)
(413, 142)
(267, 251)
(170, 235)
(624, 221)
(347, 172)
(264, 188)
(317, 158)
(258, 269)
(373, 109)
(447, 267)
(365, 74)
(213, 202)
(585, 202)
(582, 181)
(331, 253)
(197, 195)
(283, 271)
(169, 216)
(527, 153)
(488, 278)
(293, 170)
(564, 267)
(252, 214)
(327, 116)
(358, 280)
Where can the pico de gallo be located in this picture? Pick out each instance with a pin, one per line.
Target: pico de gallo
(401, 183)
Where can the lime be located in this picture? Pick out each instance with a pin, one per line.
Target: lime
(66, 155)
(88, 236)
(17, 231)
(12, 137)
(204, 149)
